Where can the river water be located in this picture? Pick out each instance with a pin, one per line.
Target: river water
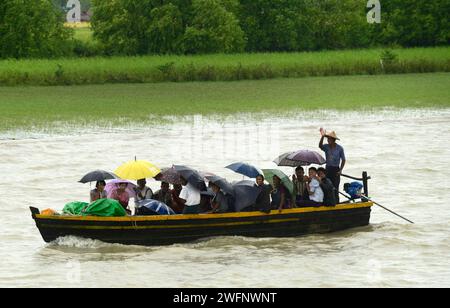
(405, 151)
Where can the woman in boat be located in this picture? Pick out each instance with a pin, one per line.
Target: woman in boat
(300, 182)
(99, 191)
(120, 194)
(142, 191)
(263, 199)
(280, 195)
(219, 202)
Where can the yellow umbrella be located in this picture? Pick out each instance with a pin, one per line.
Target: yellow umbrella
(137, 169)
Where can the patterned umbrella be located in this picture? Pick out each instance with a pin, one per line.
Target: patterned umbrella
(154, 206)
(170, 175)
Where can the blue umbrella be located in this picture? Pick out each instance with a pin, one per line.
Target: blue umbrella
(245, 169)
(156, 207)
(246, 193)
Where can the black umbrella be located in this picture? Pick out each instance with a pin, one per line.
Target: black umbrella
(222, 183)
(192, 176)
(98, 175)
(246, 193)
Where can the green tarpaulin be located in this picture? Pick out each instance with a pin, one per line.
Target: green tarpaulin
(102, 207)
(75, 208)
(105, 208)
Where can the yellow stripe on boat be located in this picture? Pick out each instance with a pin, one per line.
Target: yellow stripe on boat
(209, 216)
(225, 224)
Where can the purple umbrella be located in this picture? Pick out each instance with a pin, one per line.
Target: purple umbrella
(300, 158)
(114, 184)
(170, 175)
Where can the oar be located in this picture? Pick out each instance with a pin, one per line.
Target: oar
(385, 208)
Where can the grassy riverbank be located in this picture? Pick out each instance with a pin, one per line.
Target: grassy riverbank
(25, 107)
(151, 69)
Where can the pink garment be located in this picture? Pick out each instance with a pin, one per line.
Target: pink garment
(123, 197)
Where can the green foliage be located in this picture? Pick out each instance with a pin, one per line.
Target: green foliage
(32, 29)
(414, 23)
(213, 29)
(219, 67)
(165, 30)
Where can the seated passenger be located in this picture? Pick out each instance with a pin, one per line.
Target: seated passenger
(300, 182)
(263, 200)
(120, 194)
(220, 201)
(280, 195)
(314, 190)
(164, 195)
(189, 198)
(176, 205)
(142, 191)
(99, 191)
(329, 195)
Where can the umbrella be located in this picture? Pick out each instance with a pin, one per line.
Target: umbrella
(137, 169)
(300, 158)
(156, 207)
(244, 169)
(283, 160)
(170, 175)
(111, 186)
(98, 175)
(307, 157)
(192, 176)
(246, 193)
(222, 183)
(270, 173)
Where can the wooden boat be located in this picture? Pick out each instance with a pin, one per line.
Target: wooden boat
(166, 230)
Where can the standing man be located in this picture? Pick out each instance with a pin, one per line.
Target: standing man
(335, 158)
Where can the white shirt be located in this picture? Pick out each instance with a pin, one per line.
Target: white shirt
(190, 194)
(314, 187)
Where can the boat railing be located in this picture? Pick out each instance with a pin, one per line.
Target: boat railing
(365, 179)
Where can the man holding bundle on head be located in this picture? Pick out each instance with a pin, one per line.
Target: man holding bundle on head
(335, 156)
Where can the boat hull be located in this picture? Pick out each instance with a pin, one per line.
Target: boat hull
(166, 230)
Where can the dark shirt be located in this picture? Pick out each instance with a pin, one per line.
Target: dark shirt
(329, 196)
(221, 200)
(334, 156)
(164, 197)
(263, 199)
(276, 197)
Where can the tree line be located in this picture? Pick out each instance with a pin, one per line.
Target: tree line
(138, 27)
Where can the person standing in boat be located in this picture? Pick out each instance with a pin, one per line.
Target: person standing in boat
(335, 157)
(300, 182)
(99, 191)
(189, 197)
(142, 191)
